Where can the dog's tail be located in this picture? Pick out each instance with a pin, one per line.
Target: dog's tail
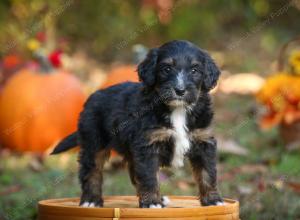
(66, 144)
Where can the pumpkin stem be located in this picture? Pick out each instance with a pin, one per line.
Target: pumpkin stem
(45, 64)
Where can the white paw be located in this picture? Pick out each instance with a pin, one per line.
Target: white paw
(220, 203)
(88, 204)
(165, 200)
(153, 206)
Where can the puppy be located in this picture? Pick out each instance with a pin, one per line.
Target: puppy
(154, 123)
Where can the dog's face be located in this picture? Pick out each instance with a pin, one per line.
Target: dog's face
(179, 72)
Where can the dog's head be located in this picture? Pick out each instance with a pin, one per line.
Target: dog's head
(179, 71)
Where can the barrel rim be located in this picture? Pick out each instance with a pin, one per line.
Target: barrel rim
(54, 207)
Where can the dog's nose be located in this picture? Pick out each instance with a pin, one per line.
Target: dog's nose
(179, 91)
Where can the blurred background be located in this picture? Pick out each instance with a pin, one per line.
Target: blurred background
(53, 54)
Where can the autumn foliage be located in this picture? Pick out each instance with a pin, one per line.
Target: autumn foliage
(281, 95)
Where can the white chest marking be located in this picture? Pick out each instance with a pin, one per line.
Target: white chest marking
(181, 139)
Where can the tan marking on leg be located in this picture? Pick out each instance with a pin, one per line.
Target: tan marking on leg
(95, 177)
(207, 190)
(201, 135)
(202, 185)
(160, 135)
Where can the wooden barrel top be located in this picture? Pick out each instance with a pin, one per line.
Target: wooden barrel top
(126, 207)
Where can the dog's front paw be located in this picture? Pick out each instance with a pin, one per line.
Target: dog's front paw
(153, 203)
(88, 204)
(91, 203)
(212, 198)
(155, 206)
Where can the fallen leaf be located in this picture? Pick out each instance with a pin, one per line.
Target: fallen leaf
(226, 176)
(36, 164)
(252, 168)
(231, 146)
(261, 185)
(245, 190)
(278, 184)
(9, 190)
(294, 186)
(242, 83)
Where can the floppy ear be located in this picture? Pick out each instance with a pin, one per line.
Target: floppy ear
(211, 74)
(146, 69)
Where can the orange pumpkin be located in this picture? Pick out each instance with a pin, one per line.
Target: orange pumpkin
(121, 74)
(38, 109)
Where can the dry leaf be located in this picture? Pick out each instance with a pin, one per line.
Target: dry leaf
(294, 186)
(231, 146)
(242, 83)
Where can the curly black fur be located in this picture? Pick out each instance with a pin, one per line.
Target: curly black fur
(125, 117)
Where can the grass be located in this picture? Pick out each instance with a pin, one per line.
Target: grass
(258, 180)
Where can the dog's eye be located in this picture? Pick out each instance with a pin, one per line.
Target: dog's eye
(194, 71)
(167, 69)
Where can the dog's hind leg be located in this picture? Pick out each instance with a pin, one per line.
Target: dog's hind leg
(92, 139)
(131, 173)
(91, 177)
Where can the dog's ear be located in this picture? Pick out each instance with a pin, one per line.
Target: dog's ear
(211, 74)
(146, 69)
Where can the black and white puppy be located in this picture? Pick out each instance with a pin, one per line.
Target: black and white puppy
(153, 123)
